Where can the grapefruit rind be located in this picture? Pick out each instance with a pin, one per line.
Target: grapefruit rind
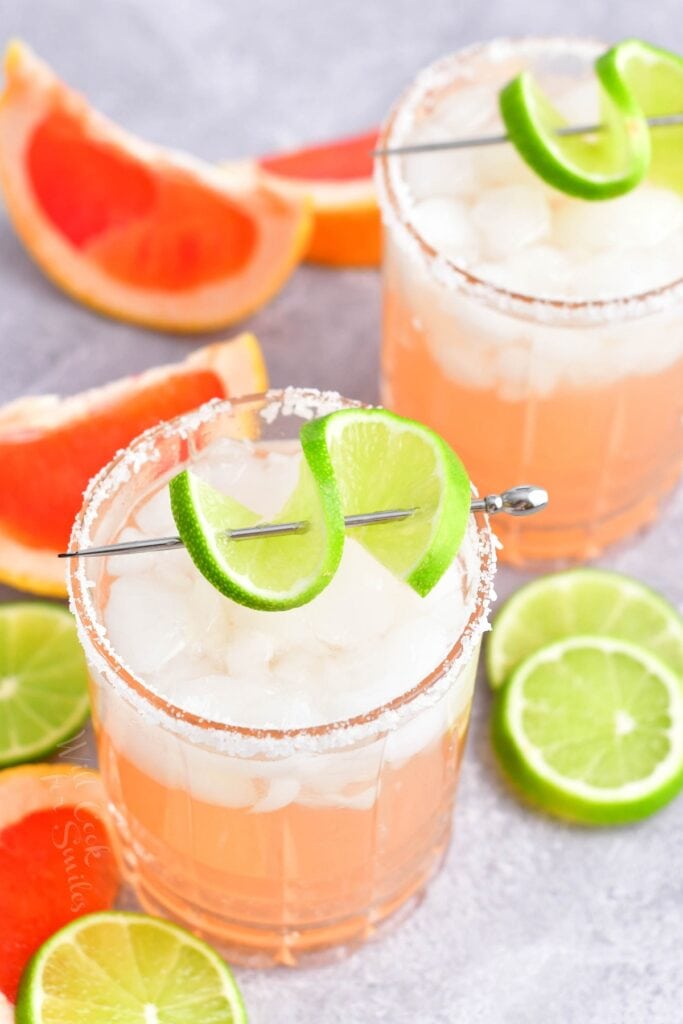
(283, 223)
(38, 787)
(238, 364)
(346, 219)
(26, 792)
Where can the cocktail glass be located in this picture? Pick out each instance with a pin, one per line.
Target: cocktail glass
(279, 845)
(583, 394)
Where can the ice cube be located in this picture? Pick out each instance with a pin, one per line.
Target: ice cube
(419, 646)
(643, 217)
(354, 800)
(248, 651)
(174, 567)
(223, 463)
(670, 254)
(466, 109)
(620, 273)
(361, 603)
(134, 564)
(447, 172)
(261, 481)
(439, 173)
(155, 518)
(579, 104)
(502, 165)
(536, 270)
(286, 629)
(279, 794)
(245, 701)
(445, 225)
(509, 218)
(180, 671)
(296, 669)
(207, 615)
(416, 735)
(146, 622)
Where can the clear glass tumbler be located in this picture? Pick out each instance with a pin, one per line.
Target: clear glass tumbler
(583, 397)
(278, 845)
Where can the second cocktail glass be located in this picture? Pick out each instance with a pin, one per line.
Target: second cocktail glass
(496, 331)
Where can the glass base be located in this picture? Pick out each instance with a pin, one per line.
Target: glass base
(532, 541)
(282, 944)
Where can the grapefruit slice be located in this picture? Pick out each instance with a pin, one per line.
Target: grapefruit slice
(337, 176)
(140, 233)
(51, 447)
(56, 858)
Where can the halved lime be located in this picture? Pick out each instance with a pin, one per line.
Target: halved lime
(383, 461)
(129, 969)
(593, 602)
(43, 680)
(270, 573)
(637, 81)
(591, 729)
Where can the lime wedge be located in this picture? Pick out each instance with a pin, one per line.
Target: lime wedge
(637, 81)
(592, 602)
(591, 729)
(270, 573)
(127, 968)
(43, 680)
(382, 461)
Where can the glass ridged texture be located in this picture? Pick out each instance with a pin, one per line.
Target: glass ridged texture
(277, 845)
(580, 395)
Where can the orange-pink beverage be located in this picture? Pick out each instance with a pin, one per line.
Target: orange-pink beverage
(541, 335)
(280, 781)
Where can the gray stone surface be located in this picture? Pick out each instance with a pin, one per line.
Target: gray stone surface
(530, 921)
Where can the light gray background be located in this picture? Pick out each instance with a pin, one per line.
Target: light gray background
(530, 922)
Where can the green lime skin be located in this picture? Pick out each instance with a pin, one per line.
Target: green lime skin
(562, 801)
(43, 681)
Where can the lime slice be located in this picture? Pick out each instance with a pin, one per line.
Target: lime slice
(43, 680)
(127, 968)
(591, 729)
(382, 461)
(270, 573)
(593, 602)
(656, 78)
(637, 81)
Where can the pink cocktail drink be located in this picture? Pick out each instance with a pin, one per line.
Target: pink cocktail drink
(280, 781)
(541, 335)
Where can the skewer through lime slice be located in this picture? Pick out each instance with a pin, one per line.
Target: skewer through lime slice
(637, 81)
(355, 461)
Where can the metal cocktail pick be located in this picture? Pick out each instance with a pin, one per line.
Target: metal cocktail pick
(523, 500)
(664, 121)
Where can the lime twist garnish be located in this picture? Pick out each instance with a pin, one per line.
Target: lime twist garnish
(128, 968)
(43, 680)
(355, 461)
(637, 81)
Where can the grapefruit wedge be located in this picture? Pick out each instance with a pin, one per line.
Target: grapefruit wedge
(337, 176)
(56, 858)
(135, 231)
(50, 448)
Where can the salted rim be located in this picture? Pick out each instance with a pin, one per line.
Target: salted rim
(304, 402)
(395, 200)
